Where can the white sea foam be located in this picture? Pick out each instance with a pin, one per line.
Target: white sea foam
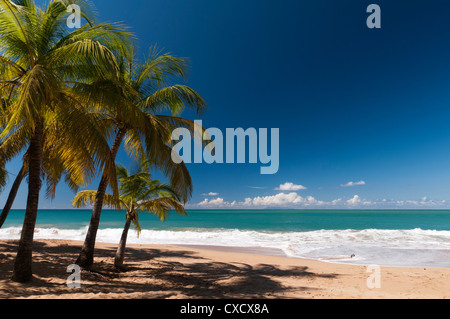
(417, 247)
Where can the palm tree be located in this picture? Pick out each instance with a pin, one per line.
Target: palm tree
(12, 195)
(135, 98)
(39, 60)
(138, 193)
(76, 166)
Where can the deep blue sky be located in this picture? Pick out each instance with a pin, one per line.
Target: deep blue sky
(352, 103)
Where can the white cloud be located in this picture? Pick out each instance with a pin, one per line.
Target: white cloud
(216, 203)
(352, 184)
(281, 200)
(354, 201)
(290, 187)
(357, 201)
(295, 201)
(211, 194)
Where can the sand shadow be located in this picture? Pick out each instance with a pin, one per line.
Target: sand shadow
(151, 273)
(232, 280)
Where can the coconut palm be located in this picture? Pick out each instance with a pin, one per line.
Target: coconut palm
(76, 166)
(12, 195)
(136, 99)
(40, 58)
(137, 193)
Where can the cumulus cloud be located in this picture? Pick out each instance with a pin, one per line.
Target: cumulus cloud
(424, 202)
(354, 201)
(337, 202)
(292, 200)
(216, 203)
(290, 187)
(353, 184)
(281, 199)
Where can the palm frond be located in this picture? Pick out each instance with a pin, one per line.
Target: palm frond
(174, 99)
(161, 207)
(84, 198)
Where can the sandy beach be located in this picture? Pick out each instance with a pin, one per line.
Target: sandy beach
(181, 272)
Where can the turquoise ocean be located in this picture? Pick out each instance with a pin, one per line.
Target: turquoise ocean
(384, 237)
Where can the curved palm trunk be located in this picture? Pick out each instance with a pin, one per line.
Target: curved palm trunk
(23, 264)
(120, 254)
(12, 195)
(86, 257)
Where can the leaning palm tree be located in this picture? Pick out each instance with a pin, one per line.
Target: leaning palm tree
(40, 58)
(137, 193)
(134, 101)
(12, 194)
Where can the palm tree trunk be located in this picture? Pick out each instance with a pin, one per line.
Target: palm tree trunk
(12, 195)
(120, 254)
(23, 264)
(86, 257)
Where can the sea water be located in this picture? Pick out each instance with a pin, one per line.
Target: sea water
(386, 238)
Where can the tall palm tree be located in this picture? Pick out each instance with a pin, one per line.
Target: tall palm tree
(137, 193)
(40, 58)
(136, 98)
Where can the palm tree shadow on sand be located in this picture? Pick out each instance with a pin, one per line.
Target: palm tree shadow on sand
(151, 273)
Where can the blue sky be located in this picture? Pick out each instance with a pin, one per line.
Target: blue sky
(353, 104)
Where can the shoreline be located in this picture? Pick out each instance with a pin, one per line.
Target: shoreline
(390, 248)
(266, 251)
(184, 271)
